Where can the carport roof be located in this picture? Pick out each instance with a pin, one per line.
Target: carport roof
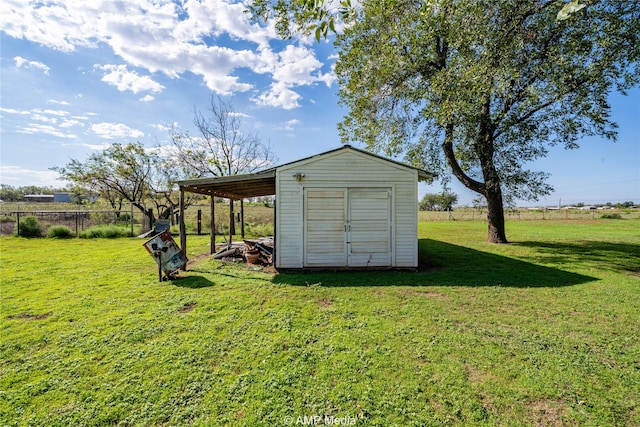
(234, 186)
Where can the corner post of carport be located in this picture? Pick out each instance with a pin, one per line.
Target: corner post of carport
(212, 225)
(183, 230)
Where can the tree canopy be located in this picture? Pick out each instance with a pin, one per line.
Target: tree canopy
(128, 173)
(479, 88)
(438, 201)
(221, 146)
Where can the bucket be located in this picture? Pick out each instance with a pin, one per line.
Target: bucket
(252, 255)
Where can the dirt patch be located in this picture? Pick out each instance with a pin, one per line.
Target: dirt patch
(546, 413)
(411, 292)
(196, 259)
(325, 302)
(188, 307)
(475, 375)
(29, 316)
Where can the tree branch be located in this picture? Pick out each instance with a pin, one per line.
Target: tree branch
(450, 155)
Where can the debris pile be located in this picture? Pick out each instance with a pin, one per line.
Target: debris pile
(259, 251)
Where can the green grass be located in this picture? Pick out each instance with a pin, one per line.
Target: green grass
(542, 331)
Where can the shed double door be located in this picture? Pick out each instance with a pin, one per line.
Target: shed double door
(347, 227)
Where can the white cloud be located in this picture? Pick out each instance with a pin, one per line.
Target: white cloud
(45, 119)
(14, 111)
(88, 145)
(120, 77)
(147, 98)
(66, 123)
(53, 101)
(31, 65)
(238, 114)
(296, 66)
(115, 130)
(35, 128)
(51, 112)
(16, 175)
(290, 125)
(279, 95)
(213, 39)
(163, 127)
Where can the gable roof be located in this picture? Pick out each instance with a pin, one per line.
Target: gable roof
(263, 183)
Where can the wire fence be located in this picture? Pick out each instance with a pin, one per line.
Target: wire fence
(77, 220)
(258, 220)
(531, 214)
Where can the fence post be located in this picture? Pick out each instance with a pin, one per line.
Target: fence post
(77, 224)
(131, 218)
(212, 237)
(150, 215)
(199, 221)
(18, 223)
(183, 229)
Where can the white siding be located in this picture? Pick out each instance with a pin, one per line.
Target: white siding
(344, 169)
(369, 227)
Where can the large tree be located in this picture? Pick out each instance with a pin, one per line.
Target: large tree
(221, 145)
(477, 87)
(128, 173)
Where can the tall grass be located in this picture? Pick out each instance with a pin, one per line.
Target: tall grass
(105, 231)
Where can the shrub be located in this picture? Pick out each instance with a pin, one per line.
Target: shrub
(7, 218)
(30, 227)
(105, 231)
(59, 232)
(257, 230)
(611, 216)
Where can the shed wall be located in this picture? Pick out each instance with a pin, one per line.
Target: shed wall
(345, 169)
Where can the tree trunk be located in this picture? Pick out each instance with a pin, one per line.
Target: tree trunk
(485, 149)
(495, 217)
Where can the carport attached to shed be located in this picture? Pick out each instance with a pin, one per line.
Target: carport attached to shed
(345, 208)
(234, 187)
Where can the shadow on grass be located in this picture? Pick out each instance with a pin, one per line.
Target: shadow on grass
(192, 282)
(603, 255)
(444, 264)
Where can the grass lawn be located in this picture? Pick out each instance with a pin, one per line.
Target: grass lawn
(542, 331)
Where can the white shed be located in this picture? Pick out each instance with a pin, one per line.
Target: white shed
(345, 208)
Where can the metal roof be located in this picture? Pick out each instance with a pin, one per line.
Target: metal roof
(263, 183)
(234, 186)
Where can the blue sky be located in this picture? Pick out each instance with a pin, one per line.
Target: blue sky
(77, 76)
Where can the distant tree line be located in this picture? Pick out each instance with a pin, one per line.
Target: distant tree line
(9, 193)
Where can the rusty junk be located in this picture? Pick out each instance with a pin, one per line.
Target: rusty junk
(166, 253)
(258, 251)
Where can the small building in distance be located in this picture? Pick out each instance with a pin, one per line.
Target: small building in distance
(62, 197)
(39, 198)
